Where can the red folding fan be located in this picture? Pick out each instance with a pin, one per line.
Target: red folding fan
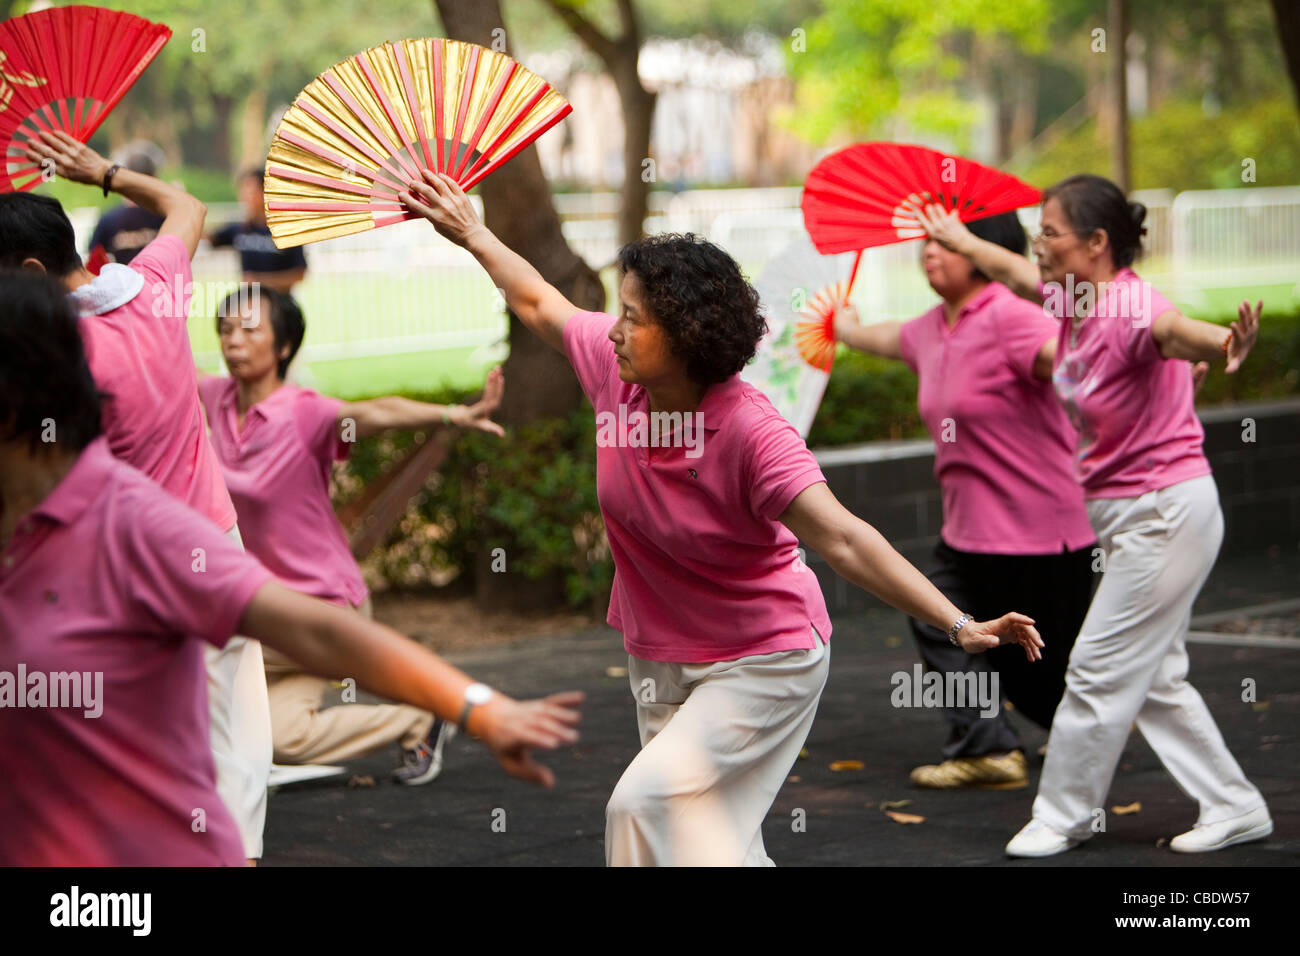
(863, 196)
(362, 131)
(65, 69)
(860, 197)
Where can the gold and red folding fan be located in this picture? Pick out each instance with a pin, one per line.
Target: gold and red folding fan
(65, 69)
(362, 131)
(863, 196)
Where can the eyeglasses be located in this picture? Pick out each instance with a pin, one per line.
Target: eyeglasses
(1047, 235)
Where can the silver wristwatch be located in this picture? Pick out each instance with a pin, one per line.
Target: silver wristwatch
(475, 694)
(957, 625)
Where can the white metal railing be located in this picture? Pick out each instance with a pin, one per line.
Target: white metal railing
(405, 289)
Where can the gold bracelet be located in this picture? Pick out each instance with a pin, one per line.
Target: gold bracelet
(1226, 343)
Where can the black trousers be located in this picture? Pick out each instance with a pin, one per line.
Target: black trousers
(1053, 589)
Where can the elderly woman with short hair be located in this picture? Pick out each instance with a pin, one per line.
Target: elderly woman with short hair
(725, 628)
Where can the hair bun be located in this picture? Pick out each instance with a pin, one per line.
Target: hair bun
(1138, 213)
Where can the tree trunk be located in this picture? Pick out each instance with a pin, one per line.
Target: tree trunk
(1119, 157)
(638, 118)
(252, 125)
(1287, 14)
(222, 108)
(518, 209)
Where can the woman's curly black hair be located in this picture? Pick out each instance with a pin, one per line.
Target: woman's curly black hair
(697, 293)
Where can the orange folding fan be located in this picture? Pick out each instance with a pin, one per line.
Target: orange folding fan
(362, 131)
(65, 69)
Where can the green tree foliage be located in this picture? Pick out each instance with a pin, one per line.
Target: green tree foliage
(1180, 148)
(865, 62)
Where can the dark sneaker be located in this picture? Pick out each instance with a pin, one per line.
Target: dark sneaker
(424, 763)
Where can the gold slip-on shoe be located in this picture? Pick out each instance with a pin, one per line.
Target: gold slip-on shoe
(983, 773)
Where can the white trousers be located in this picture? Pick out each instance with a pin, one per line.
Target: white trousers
(239, 717)
(1130, 664)
(717, 741)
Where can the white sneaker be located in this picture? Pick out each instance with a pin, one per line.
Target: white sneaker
(1039, 839)
(1215, 836)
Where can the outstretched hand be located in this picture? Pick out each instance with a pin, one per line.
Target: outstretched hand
(1244, 332)
(479, 415)
(513, 729)
(1014, 628)
(439, 199)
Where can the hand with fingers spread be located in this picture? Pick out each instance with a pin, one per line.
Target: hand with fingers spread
(513, 729)
(479, 415)
(1244, 332)
(439, 199)
(1014, 628)
(943, 226)
(71, 158)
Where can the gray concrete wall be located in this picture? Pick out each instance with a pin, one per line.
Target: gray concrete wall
(891, 485)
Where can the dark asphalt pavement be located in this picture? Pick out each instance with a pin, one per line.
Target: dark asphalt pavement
(451, 821)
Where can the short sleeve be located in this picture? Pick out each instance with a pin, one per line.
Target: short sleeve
(907, 344)
(1022, 327)
(1132, 307)
(317, 418)
(186, 576)
(165, 266)
(591, 353)
(225, 236)
(780, 465)
(296, 258)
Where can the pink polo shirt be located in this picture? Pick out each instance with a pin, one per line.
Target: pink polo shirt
(278, 472)
(1137, 426)
(139, 354)
(704, 571)
(1002, 445)
(111, 576)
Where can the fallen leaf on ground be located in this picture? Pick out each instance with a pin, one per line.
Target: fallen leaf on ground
(361, 781)
(803, 754)
(894, 804)
(615, 671)
(893, 642)
(793, 779)
(1260, 705)
(1134, 807)
(847, 765)
(904, 817)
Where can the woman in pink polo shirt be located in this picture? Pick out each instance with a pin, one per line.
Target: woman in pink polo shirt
(110, 588)
(277, 444)
(1120, 370)
(132, 320)
(1011, 536)
(705, 491)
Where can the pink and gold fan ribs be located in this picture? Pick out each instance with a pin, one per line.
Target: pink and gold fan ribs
(363, 129)
(815, 333)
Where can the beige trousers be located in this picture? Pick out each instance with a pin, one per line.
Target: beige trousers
(304, 733)
(239, 724)
(1130, 663)
(717, 741)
